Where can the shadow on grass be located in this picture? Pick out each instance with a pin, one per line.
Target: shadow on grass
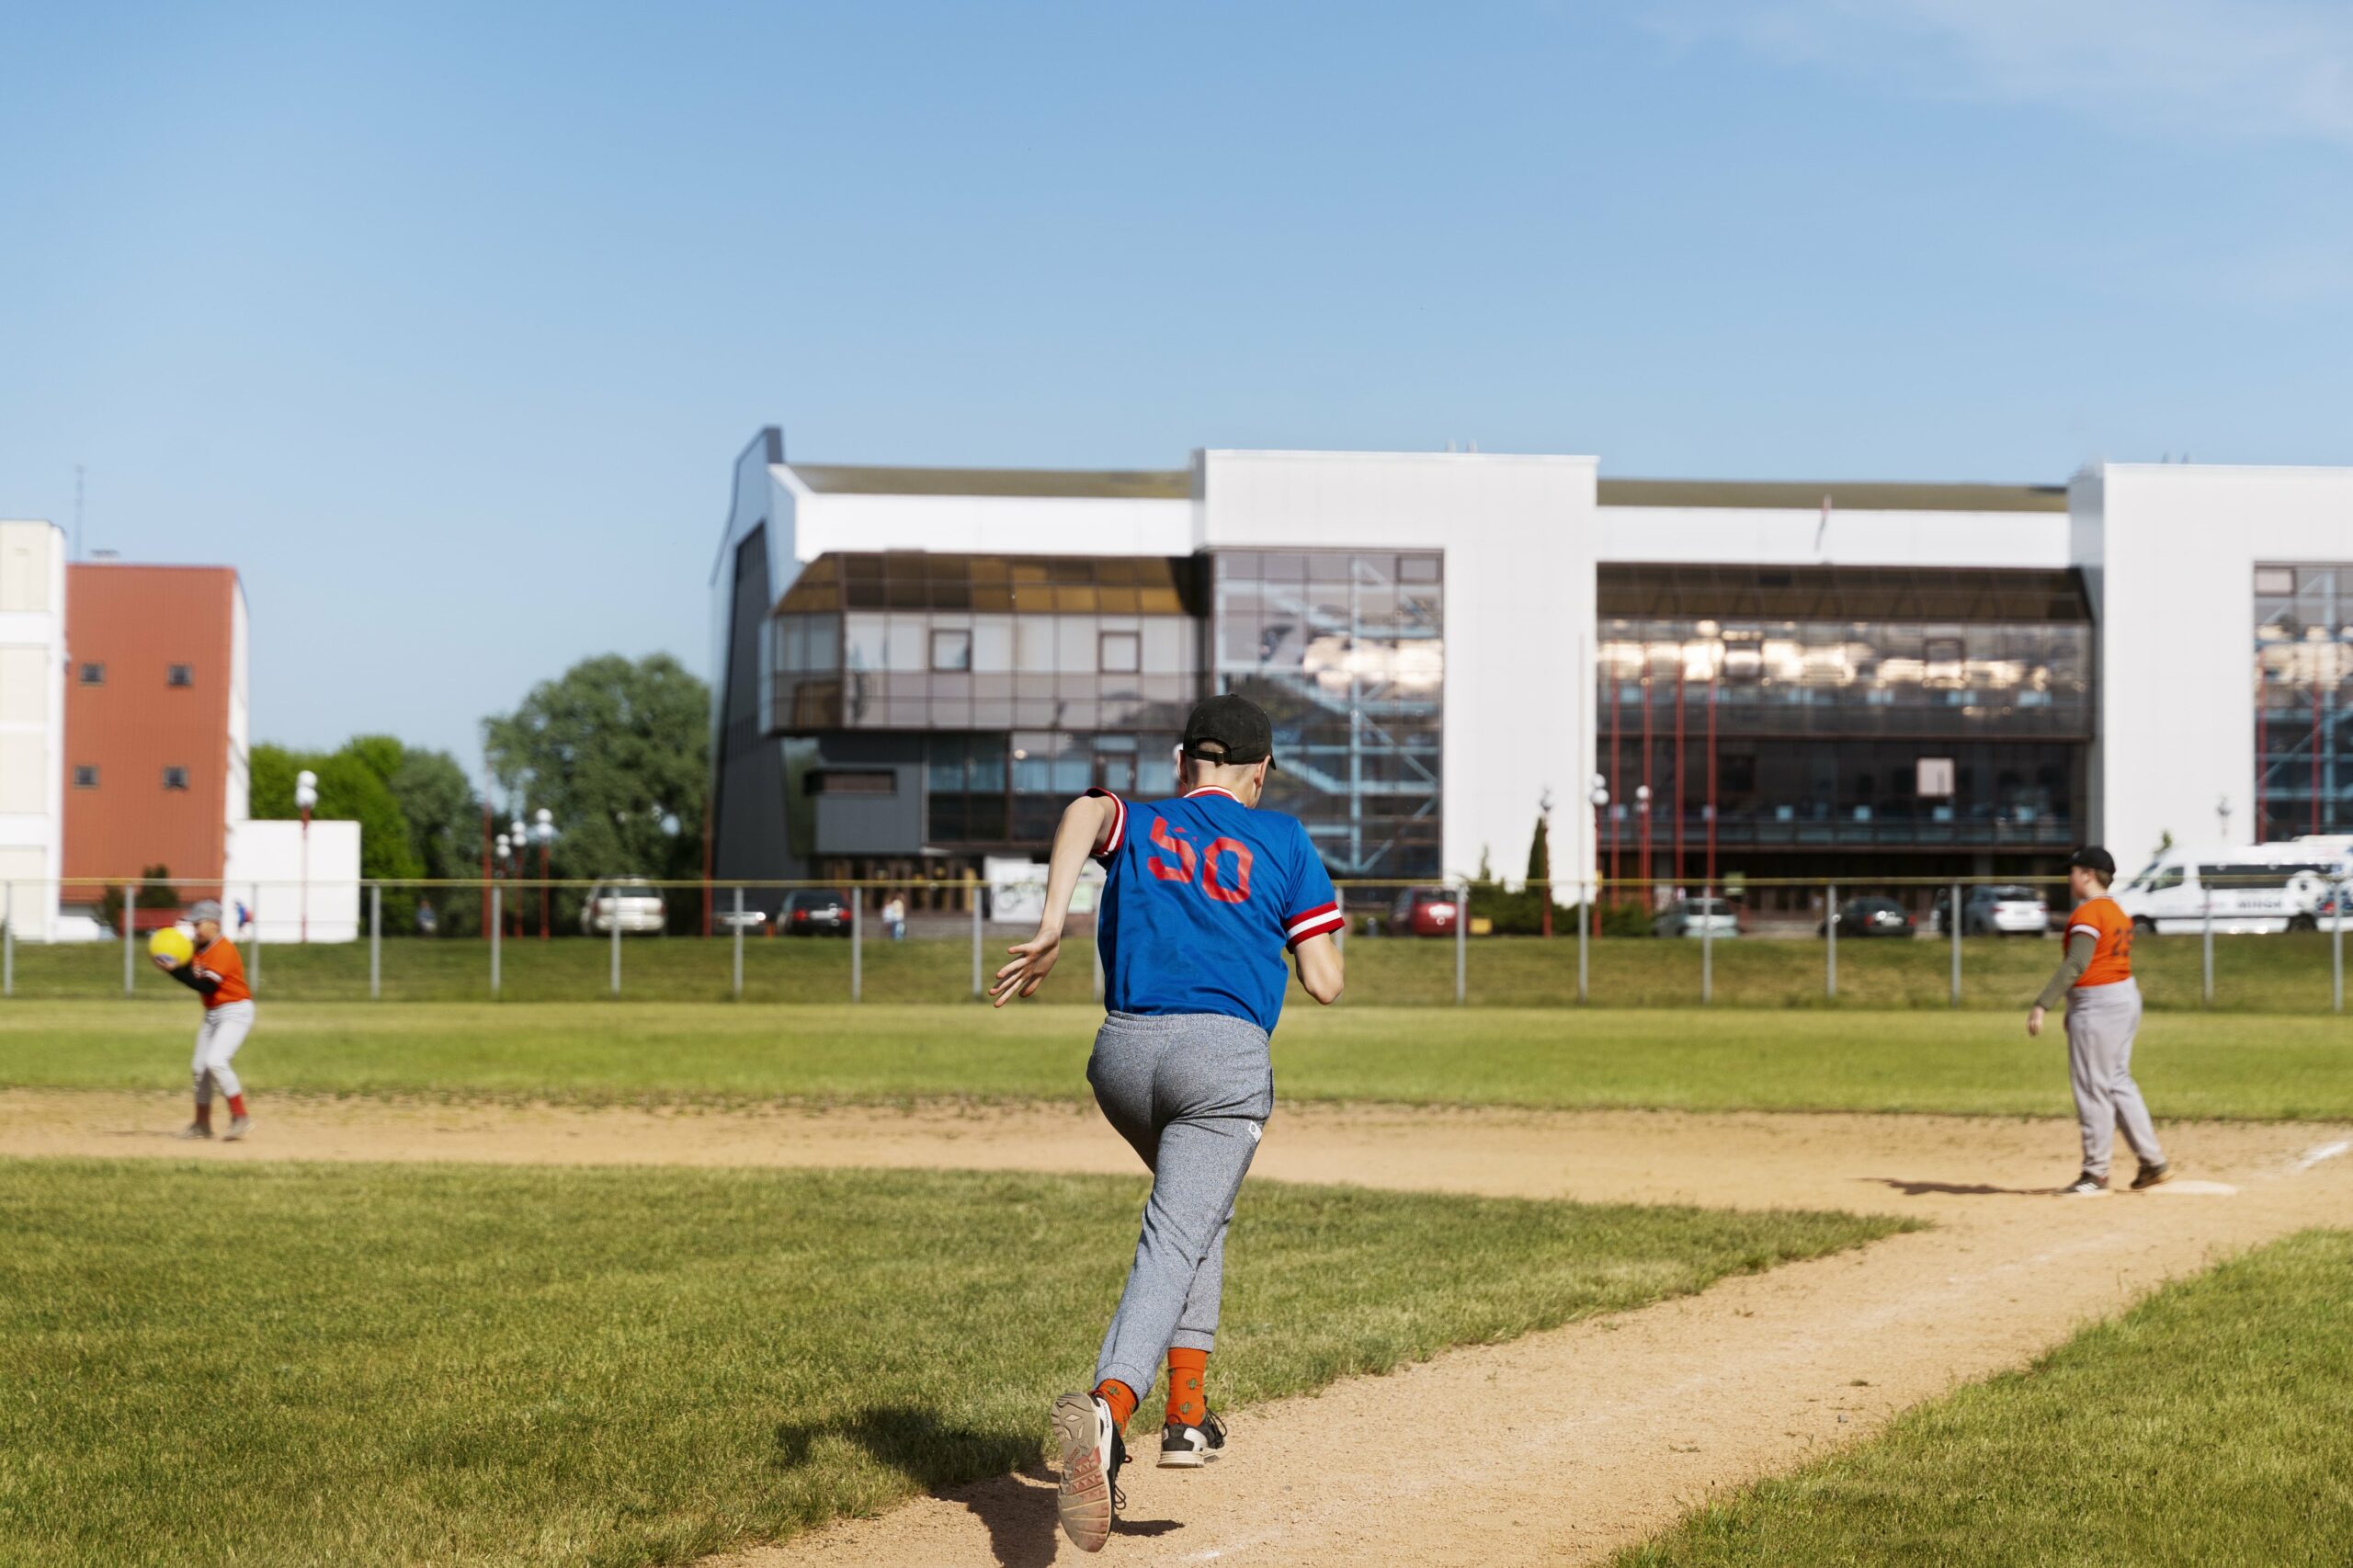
(1959, 1189)
(1016, 1502)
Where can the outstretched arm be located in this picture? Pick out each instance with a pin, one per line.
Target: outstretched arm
(1320, 968)
(1085, 821)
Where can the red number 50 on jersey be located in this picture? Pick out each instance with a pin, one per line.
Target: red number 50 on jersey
(1213, 881)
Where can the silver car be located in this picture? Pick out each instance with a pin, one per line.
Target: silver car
(633, 903)
(1696, 918)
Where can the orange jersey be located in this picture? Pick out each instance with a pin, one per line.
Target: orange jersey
(220, 960)
(2111, 929)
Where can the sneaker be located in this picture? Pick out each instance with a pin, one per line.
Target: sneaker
(239, 1126)
(2152, 1175)
(1189, 1448)
(1087, 1442)
(196, 1130)
(2085, 1186)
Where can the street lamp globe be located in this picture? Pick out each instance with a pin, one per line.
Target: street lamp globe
(1600, 796)
(543, 824)
(502, 846)
(306, 790)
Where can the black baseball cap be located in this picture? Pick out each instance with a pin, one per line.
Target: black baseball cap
(2092, 857)
(1228, 729)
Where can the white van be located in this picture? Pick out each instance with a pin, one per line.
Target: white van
(2265, 888)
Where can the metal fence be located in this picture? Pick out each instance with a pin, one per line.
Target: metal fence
(1755, 942)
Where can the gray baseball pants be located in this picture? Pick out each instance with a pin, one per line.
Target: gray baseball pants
(1190, 1092)
(2101, 1021)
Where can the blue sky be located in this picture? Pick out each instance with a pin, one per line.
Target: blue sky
(444, 322)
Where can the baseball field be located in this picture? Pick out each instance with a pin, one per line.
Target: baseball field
(693, 1280)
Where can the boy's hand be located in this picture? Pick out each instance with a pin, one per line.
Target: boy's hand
(1032, 961)
(2033, 1022)
(162, 961)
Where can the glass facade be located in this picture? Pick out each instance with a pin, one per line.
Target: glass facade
(1346, 650)
(921, 641)
(1881, 708)
(1031, 678)
(2304, 669)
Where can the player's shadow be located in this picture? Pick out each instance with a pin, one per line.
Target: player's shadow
(1015, 1504)
(1958, 1189)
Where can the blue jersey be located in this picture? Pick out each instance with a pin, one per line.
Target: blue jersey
(1202, 898)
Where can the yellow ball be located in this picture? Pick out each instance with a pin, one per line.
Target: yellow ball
(171, 942)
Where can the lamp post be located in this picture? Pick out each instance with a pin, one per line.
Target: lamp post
(1599, 796)
(1642, 832)
(306, 795)
(1544, 814)
(520, 838)
(543, 830)
(506, 849)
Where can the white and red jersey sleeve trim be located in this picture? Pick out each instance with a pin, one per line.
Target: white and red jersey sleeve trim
(1320, 921)
(2091, 931)
(1117, 834)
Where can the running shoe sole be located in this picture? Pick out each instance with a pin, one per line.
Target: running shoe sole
(1083, 1498)
(2144, 1181)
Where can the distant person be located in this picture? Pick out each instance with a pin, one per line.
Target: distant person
(428, 924)
(1203, 896)
(894, 918)
(217, 975)
(2103, 1014)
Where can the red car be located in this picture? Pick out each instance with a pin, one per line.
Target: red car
(1425, 911)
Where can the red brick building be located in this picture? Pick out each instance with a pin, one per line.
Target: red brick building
(157, 721)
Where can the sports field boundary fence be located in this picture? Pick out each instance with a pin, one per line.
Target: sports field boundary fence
(1444, 941)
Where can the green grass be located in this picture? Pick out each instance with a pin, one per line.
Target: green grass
(2285, 974)
(2212, 1425)
(2191, 1064)
(298, 1365)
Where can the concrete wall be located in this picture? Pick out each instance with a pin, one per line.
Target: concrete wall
(266, 872)
(1519, 535)
(32, 722)
(2174, 548)
(1778, 536)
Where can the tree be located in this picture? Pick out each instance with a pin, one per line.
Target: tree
(618, 750)
(1540, 855)
(444, 818)
(349, 790)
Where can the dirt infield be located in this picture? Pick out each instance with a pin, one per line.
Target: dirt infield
(1560, 1447)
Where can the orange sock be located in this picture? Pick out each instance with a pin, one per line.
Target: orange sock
(1188, 1370)
(1120, 1397)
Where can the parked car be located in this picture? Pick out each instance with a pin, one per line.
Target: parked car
(815, 912)
(1869, 916)
(1695, 917)
(633, 903)
(753, 922)
(1425, 911)
(1996, 911)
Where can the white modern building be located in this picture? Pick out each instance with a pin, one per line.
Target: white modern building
(32, 723)
(1701, 679)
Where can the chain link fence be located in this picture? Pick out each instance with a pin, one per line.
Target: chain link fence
(1897, 943)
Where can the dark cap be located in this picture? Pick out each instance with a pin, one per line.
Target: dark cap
(1228, 729)
(2092, 857)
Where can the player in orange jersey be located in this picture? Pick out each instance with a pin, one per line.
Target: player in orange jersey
(2103, 1014)
(216, 973)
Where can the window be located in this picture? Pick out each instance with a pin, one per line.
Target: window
(952, 650)
(179, 675)
(176, 779)
(85, 777)
(94, 674)
(854, 781)
(1121, 653)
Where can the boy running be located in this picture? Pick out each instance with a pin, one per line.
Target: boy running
(2103, 1013)
(1202, 895)
(216, 973)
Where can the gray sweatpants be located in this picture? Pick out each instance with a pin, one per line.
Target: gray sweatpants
(1190, 1092)
(2101, 1021)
